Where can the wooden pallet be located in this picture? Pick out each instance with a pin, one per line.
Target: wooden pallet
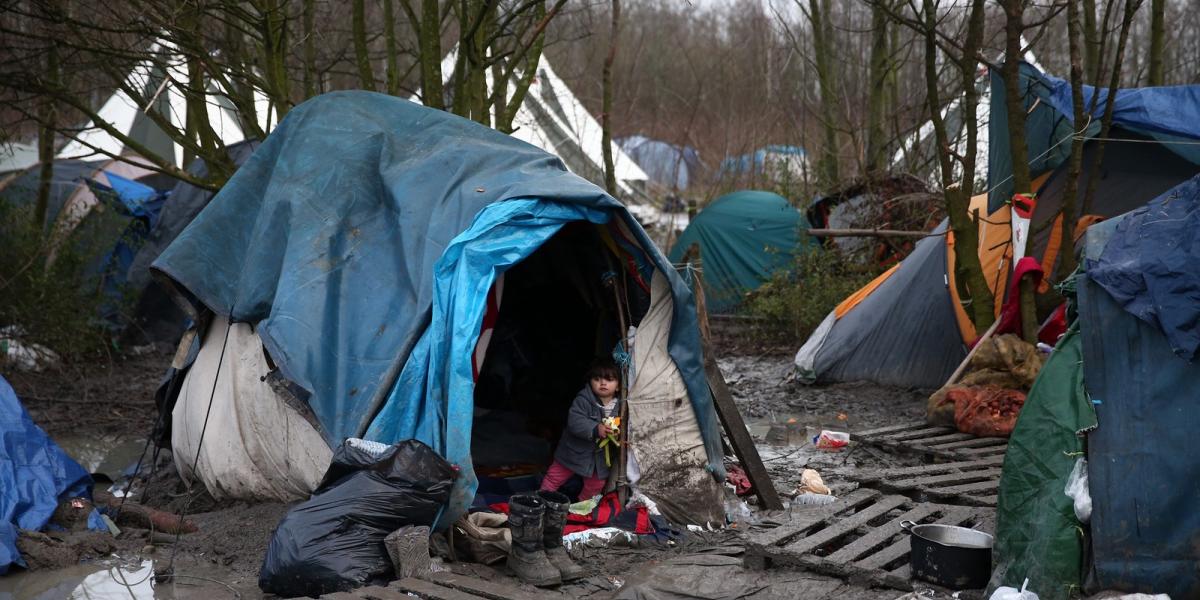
(858, 537)
(934, 441)
(444, 586)
(969, 483)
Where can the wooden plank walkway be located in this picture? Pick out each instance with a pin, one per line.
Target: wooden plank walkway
(970, 483)
(932, 441)
(858, 537)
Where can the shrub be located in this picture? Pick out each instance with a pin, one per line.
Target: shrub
(792, 304)
(55, 305)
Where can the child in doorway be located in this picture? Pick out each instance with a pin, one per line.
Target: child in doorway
(579, 451)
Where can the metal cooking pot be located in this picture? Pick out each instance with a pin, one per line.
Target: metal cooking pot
(953, 557)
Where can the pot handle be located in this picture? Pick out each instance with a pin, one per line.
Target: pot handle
(907, 526)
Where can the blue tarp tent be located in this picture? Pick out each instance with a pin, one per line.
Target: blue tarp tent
(34, 474)
(1163, 114)
(362, 240)
(669, 165)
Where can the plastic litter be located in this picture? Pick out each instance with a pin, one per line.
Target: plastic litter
(1007, 593)
(1077, 490)
(831, 440)
(24, 356)
(811, 499)
(334, 541)
(811, 483)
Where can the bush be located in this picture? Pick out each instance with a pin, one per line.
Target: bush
(56, 305)
(792, 304)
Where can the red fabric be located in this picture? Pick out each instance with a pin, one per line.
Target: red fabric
(986, 411)
(557, 475)
(1023, 205)
(1055, 326)
(1010, 313)
(735, 475)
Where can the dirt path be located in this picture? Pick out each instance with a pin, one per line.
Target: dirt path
(111, 403)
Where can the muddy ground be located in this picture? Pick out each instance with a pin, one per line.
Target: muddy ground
(105, 412)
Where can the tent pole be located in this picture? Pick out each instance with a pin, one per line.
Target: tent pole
(731, 418)
(623, 434)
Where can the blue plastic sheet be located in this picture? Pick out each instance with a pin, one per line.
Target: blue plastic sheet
(1150, 266)
(331, 236)
(34, 474)
(436, 387)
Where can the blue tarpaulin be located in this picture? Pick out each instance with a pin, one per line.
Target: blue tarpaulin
(1166, 114)
(34, 474)
(1151, 266)
(356, 239)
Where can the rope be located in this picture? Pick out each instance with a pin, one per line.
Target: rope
(170, 570)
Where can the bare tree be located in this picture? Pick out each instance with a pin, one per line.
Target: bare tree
(610, 175)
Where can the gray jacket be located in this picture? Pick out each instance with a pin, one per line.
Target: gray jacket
(578, 450)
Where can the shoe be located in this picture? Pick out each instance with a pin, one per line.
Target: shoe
(557, 507)
(527, 558)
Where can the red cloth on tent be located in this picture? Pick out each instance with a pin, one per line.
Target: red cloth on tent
(1055, 326)
(1010, 313)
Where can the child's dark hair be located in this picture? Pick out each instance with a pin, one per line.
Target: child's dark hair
(604, 367)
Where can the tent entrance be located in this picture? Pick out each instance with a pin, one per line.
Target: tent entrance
(555, 317)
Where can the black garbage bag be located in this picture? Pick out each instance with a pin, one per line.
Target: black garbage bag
(334, 540)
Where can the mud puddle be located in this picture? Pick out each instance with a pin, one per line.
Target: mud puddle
(108, 454)
(114, 579)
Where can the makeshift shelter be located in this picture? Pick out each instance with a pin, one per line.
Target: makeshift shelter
(552, 118)
(1122, 379)
(779, 161)
(158, 78)
(669, 165)
(378, 262)
(1140, 162)
(745, 238)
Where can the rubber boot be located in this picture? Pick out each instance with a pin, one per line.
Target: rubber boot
(527, 558)
(557, 506)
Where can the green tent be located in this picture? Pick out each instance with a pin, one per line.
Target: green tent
(745, 237)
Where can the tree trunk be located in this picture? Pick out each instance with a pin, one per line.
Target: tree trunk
(1014, 26)
(1066, 260)
(1114, 86)
(48, 121)
(429, 39)
(1158, 36)
(1029, 324)
(389, 33)
(275, 58)
(310, 50)
(610, 174)
(1091, 42)
(362, 58)
(969, 278)
(876, 95)
(822, 51)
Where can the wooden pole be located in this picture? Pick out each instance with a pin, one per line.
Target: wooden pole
(884, 233)
(731, 418)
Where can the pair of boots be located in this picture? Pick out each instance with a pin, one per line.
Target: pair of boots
(537, 555)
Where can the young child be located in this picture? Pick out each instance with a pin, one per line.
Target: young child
(579, 451)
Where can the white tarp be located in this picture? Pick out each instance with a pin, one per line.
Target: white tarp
(663, 428)
(255, 446)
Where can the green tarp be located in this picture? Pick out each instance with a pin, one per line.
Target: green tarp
(745, 238)
(1037, 534)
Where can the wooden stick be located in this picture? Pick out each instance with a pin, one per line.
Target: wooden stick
(731, 418)
(869, 233)
(963, 365)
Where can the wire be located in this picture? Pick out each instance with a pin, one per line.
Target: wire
(1134, 141)
(200, 444)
